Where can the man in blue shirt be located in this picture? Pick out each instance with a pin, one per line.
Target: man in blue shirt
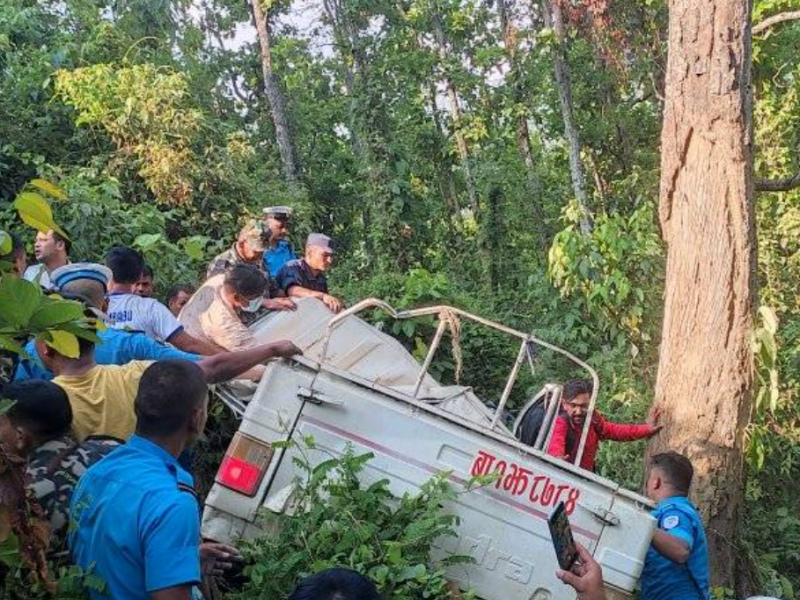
(136, 512)
(88, 282)
(676, 565)
(280, 250)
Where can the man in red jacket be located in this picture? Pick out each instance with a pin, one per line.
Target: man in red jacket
(569, 425)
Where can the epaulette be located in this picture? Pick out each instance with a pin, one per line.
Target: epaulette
(185, 487)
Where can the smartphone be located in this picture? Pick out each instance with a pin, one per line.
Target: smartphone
(563, 542)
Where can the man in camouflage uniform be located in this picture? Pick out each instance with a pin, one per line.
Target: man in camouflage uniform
(249, 248)
(38, 427)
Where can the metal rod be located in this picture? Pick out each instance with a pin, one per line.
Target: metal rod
(547, 424)
(437, 338)
(589, 414)
(512, 378)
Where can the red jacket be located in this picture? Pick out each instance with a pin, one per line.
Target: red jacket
(599, 431)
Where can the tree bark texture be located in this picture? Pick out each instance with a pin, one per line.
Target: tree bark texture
(277, 102)
(554, 20)
(705, 373)
(521, 130)
(455, 114)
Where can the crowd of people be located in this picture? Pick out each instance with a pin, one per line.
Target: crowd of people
(108, 434)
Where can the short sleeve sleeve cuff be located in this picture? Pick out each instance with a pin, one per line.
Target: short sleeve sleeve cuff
(173, 567)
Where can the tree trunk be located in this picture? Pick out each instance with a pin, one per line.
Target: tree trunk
(521, 130)
(554, 20)
(705, 372)
(455, 113)
(277, 102)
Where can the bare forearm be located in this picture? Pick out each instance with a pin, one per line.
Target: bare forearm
(189, 343)
(227, 366)
(300, 292)
(674, 548)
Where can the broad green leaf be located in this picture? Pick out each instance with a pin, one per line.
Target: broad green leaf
(5, 243)
(35, 211)
(147, 240)
(64, 342)
(49, 189)
(770, 319)
(19, 299)
(56, 312)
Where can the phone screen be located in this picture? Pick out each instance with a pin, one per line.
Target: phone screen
(564, 544)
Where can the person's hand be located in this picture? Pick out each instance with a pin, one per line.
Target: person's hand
(285, 349)
(586, 576)
(279, 304)
(653, 418)
(332, 303)
(216, 558)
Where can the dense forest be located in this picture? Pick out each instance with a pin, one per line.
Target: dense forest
(503, 156)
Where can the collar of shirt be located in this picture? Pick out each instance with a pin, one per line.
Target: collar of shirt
(672, 500)
(50, 447)
(141, 444)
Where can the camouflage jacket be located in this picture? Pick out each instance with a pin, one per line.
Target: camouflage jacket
(226, 260)
(54, 469)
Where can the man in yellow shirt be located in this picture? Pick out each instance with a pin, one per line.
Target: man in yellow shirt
(102, 396)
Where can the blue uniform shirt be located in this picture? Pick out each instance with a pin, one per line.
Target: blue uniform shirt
(116, 347)
(137, 520)
(275, 258)
(663, 579)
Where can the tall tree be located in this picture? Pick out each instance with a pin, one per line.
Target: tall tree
(705, 372)
(521, 129)
(554, 20)
(272, 89)
(454, 107)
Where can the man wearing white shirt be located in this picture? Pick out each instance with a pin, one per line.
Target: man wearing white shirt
(52, 251)
(130, 311)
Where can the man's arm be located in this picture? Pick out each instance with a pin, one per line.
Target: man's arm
(189, 343)
(224, 367)
(331, 302)
(558, 441)
(671, 546)
(627, 433)
(586, 576)
(181, 592)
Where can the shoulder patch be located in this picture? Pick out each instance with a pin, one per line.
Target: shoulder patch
(671, 522)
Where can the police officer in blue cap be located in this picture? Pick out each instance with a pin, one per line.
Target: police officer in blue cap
(279, 250)
(305, 278)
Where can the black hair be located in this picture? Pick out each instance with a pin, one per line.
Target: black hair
(57, 237)
(335, 584)
(676, 468)
(177, 289)
(17, 247)
(246, 280)
(169, 391)
(40, 406)
(576, 387)
(147, 271)
(126, 264)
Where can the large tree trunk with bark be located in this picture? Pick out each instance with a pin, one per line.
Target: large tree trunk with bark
(554, 20)
(277, 102)
(705, 373)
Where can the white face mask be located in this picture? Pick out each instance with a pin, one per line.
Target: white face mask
(253, 306)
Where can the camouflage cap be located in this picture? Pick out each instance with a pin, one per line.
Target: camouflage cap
(256, 235)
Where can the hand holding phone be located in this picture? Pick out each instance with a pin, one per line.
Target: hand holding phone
(563, 542)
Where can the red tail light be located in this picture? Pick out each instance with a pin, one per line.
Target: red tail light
(244, 465)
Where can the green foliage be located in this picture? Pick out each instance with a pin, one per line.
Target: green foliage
(340, 521)
(610, 270)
